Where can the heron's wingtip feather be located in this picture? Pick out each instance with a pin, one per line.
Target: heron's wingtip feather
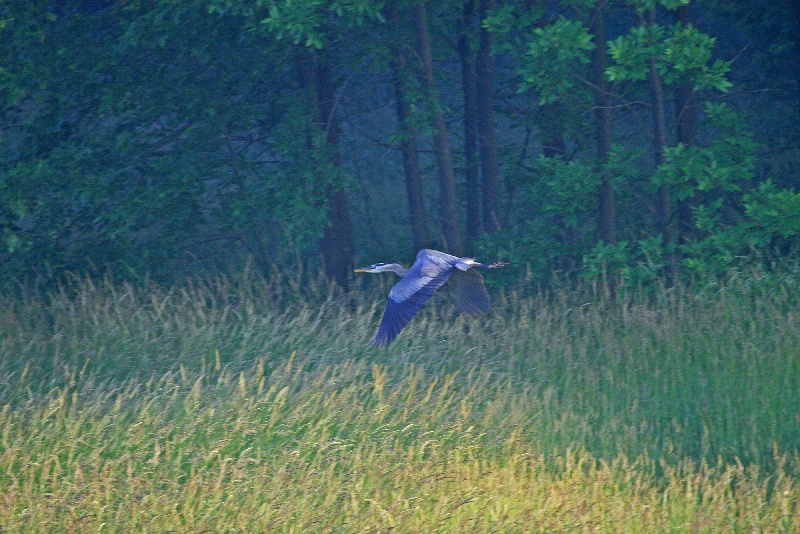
(469, 293)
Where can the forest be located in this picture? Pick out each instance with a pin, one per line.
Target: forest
(645, 140)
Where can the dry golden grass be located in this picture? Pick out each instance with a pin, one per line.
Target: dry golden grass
(237, 408)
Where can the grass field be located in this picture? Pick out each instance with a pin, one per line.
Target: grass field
(252, 406)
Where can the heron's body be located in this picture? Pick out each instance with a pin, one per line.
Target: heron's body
(419, 282)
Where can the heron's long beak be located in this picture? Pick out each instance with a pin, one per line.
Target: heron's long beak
(361, 270)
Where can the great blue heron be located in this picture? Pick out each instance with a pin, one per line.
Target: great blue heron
(429, 272)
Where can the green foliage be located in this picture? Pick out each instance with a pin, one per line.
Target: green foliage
(721, 174)
(553, 52)
(547, 56)
(643, 6)
(306, 22)
(772, 212)
(736, 223)
(687, 54)
(172, 137)
(641, 265)
(681, 53)
(563, 194)
(565, 188)
(726, 164)
(531, 248)
(512, 24)
(631, 53)
(553, 67)
(154, 136)
(771, 220)
(605, 259)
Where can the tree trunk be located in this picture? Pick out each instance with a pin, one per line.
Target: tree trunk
(444, 160)
(552, 131)
(408, 143)
(486, 137)
(659, 144)
(337, 239)
(469, 82)
(686, 119)
(607, 217)
(794, 26)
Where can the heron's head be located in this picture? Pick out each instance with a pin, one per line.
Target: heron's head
(377, 268)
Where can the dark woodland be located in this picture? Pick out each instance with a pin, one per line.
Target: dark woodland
(642, 141)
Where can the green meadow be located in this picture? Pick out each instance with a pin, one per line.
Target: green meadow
(253, 405)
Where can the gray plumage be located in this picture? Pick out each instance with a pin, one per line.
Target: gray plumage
(419, 282)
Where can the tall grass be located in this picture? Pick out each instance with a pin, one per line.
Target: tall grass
(255, 405)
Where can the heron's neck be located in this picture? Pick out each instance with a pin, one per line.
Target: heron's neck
(397, 268)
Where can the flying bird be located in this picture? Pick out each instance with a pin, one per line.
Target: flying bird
(418, 283)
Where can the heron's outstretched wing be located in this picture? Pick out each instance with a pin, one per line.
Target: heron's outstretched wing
(469, 293)
(408, 295)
